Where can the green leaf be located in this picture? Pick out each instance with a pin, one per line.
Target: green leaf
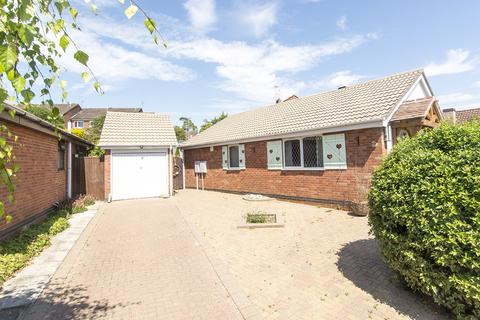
(64, 42)
(131, 11)
(8, 218)
(81, 57)
(28, 95)
(93, 8)
(55, 112)
(2, 209)
(96, 85)
(3, 94)
(73, 12)
(85, 76)
(150, 24)
(8, 57)
(62, 84)
(18, 83)
(121, 1)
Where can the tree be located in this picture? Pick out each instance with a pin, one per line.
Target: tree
(208, 123)
(45, 113)
(94, 131)
(34, 34)
(188, 126)
(180, 134)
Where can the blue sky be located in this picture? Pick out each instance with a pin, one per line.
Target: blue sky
(235, 55)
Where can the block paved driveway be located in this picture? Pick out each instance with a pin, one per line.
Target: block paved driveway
(185, 258)
(136, 260)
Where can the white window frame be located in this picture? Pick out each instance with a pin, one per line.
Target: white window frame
(76, 122)
(302, 163)
(228, 158)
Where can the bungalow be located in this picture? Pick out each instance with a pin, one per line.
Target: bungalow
(322, 147)
(48, 174)
(139, 149)
(84, 117)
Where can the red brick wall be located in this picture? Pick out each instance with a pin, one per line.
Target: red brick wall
(39, 184)
(329, 185)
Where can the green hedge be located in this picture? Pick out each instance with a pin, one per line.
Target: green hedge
(16, 252)
(425, 214)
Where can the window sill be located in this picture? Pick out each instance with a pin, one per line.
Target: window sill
(300, 169)
(234, 169)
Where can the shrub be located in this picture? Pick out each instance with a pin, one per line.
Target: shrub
(77, 205)
(425, 214)
(16, 252)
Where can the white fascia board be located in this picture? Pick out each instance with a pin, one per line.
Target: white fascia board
(304, 133)
(114, 147)
(421, 79)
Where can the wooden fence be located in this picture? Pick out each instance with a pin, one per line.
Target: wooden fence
(94, 177)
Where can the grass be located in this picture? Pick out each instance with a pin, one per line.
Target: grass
(260, 217)
(16, 252)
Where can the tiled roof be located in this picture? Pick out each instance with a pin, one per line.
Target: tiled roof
(137, 129)
(369, 101)
(64, 108)
(93, 113)
(413, 109)
(466, 115)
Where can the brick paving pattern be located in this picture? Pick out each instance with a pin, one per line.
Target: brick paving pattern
(322, 265)
(136, 260)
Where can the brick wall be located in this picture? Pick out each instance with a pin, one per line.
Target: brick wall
(335, 186)
(39, 184)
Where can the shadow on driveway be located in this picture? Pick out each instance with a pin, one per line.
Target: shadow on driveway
(360, 262)
(58, 302)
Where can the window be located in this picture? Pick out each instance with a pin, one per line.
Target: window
(78, 124)
(233, 157)
(61, 156)
(304, 153)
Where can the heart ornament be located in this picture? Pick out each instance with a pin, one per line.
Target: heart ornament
(339, 145)
(329, 156)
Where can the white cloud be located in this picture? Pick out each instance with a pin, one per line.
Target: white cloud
(338, 79)
(202, 14)
(259, 18)
(457, 62)
(253, 71)
(342, 22)
(456, 98)
(477, 84)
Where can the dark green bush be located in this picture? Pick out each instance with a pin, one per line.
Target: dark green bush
(425, 214)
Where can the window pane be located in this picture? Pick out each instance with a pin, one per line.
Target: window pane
(292, 153)
(233, 157)
(312, 152)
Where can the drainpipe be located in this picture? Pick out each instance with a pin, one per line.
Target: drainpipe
(388, 138)
(69, 169)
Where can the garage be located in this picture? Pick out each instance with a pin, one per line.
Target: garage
(139, 175)
(139, 150)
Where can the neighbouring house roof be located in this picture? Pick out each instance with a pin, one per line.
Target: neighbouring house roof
(22, 115)
(137, 129)
(93, 113)
(466, 115)
(414, 109)
(64, 108)
(371, 101)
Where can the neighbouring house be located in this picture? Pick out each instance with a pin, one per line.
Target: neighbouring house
(139, 149)
(461, 116)
(68, 110)
(49, 170)
(83, 118)
(322, 147)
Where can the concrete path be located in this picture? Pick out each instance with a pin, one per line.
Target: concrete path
(136, 260)
(26, 286)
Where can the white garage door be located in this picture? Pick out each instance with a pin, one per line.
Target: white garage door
(137, 175)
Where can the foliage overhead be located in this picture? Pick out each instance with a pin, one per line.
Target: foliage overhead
(188, 125)
(425, 214)
(208, 123)
(93, 132)
(45, 113)
(34, 34)
(180, 134)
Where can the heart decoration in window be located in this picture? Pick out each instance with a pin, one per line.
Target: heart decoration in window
(241, 160)
(243, 151)
(339, 145)
(277, 158)
(329, 156)
(271, 151)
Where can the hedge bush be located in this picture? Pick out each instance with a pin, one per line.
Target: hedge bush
(425, 214)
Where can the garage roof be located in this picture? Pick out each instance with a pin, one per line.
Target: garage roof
(127, 129)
